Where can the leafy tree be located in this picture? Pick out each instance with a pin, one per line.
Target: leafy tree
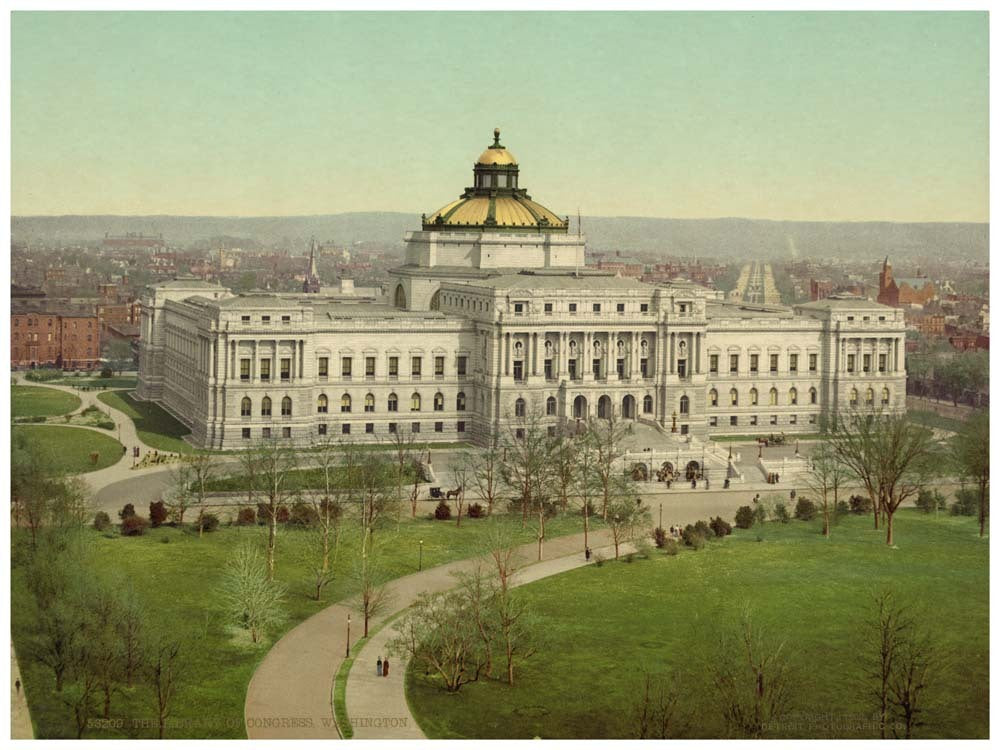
(627, 516)
(971, 450)
(118, 353)
(250, 596)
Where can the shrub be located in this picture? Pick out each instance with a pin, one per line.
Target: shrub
(693, 537)
(157, 514)
(588, 507)
(660, 537)
(598, 559)
(134, 525)
(107, 372)
(164, 540)
(476, 511)
(106, 424)
(264, 514)
(303, 514)
(860, 504)
(127, 511)
(930, 500)
(40, 376)
(805, 509)
(842, 508)
(700, 527)
(246, 517)
(670, 547)
(781, 513)
(966, 503)
(102, 521)
(629, 557)
(744, 517)
(720, 528)
(209, 522)
(443, 511)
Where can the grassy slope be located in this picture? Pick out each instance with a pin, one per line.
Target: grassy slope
(156, 428)
(117, 381)
(34, 401)
(72, 446)
(607, 625)
(931, 419)
(176, 581)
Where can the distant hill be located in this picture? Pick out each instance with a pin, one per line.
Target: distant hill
(726, 237)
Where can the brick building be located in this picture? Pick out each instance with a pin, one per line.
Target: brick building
(902, 292)
(47, 336)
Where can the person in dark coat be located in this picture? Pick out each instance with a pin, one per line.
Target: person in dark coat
(378, 667)
(385, 667)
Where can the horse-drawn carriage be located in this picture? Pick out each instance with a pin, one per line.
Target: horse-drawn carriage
(772, 439)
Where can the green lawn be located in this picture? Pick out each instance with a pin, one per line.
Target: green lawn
(297, 479)
(117, 381)
(607, 625)
(934, 420)
(71, 446)
(156, 427)
(177, 581)
(36, 401)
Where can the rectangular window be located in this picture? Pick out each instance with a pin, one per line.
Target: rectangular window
(519, 308)
(266, 433)
(881, 363)
(812, 419)
(713, 421)
(460, 426)
(369, 367)
(794, 419)
(813, 362)
(416, 364)
(774, 363)
(572, 307)
(462, 365)
(345, 429)
(733, 421)
(286, 368)
(369, 428)
(245, 320)
(867, 362)
(321, 429)
(246, 433)
(518, 369)
(324, 367)
(245, 369)
(265, 320)
(286, 319)
(548, 369)
(596, 368)
(393, 367)
(644, 307)
(439, 427)
(753, 420)
(345, 366)
(713, 363)
(793, 362)
(265, 369)
(286, 432)
(572, 369)
(415, 427)
(774, 419)
(548, 308)
(644, 367)
(439, 367)
(754, 359)
(850, 363)
(734, 364)
(620, 368)
(620, 307)
(684, 429)
(597, 307)
(392, 428)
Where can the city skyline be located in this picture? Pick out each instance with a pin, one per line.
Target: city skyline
(846, 117)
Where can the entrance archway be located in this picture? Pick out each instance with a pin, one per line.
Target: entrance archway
(580, 407)
(628, 407)
(639, 472)
(400, 297)
(692, 470)
(604, 407)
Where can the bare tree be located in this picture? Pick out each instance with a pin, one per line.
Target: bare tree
(565, 452)
(656, 711)
(164, 671)
(912, 671)
(826, 474)
(479, 589)
(461, 473)
(273, 464)
(199, 469)
(971, 451)
(587, 484)
(498, 548)
(516, 632)
(251, 599)
(329, 511)
(751, 679)
(607, 436)
(404, 456)
(130, 625)
(485, 467)
(527, 469)
(371, 597)
(627, 516)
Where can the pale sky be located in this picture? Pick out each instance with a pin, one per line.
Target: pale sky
(801, 116)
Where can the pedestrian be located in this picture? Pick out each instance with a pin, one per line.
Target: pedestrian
(17, 685)
(378, 667)
(586, 553)
(385, 667)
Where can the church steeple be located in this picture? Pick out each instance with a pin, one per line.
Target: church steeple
(311, 283)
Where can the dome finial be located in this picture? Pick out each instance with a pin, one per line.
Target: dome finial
(496, 138)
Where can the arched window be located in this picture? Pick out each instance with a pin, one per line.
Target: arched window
(793, 396)
(400, 299)
(286, 407)
(685, 405)
(774, 397)
(713, 397)
(246, 406)
(812, 395)
(885, 396)
(550, 406)
(265, 406)
(519, 408)
(322, 404)
(854, 396)
(647, 405)
(345, 403)
(753, 396)
(370, 402)
(438, 401)
(415, 402)
(436, 301)
(460, 401)
(734, 397)
(393, 402)
(870, 396)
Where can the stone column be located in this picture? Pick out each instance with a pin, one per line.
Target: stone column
(506, 354)
(672, 354)
(534, 353)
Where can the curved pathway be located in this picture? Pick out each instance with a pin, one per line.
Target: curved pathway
(290, 694)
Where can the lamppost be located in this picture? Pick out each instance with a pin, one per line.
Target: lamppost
(661, 515)
(420, 564)
(348, 654)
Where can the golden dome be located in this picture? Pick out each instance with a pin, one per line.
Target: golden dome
(497, 156)
(509, 212)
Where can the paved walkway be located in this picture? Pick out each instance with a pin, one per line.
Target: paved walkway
(20, 718)
(377, 706)
(290, 694)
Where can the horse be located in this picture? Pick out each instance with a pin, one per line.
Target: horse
(457, 492)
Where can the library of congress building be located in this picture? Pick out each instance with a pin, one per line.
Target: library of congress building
(494, 318)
